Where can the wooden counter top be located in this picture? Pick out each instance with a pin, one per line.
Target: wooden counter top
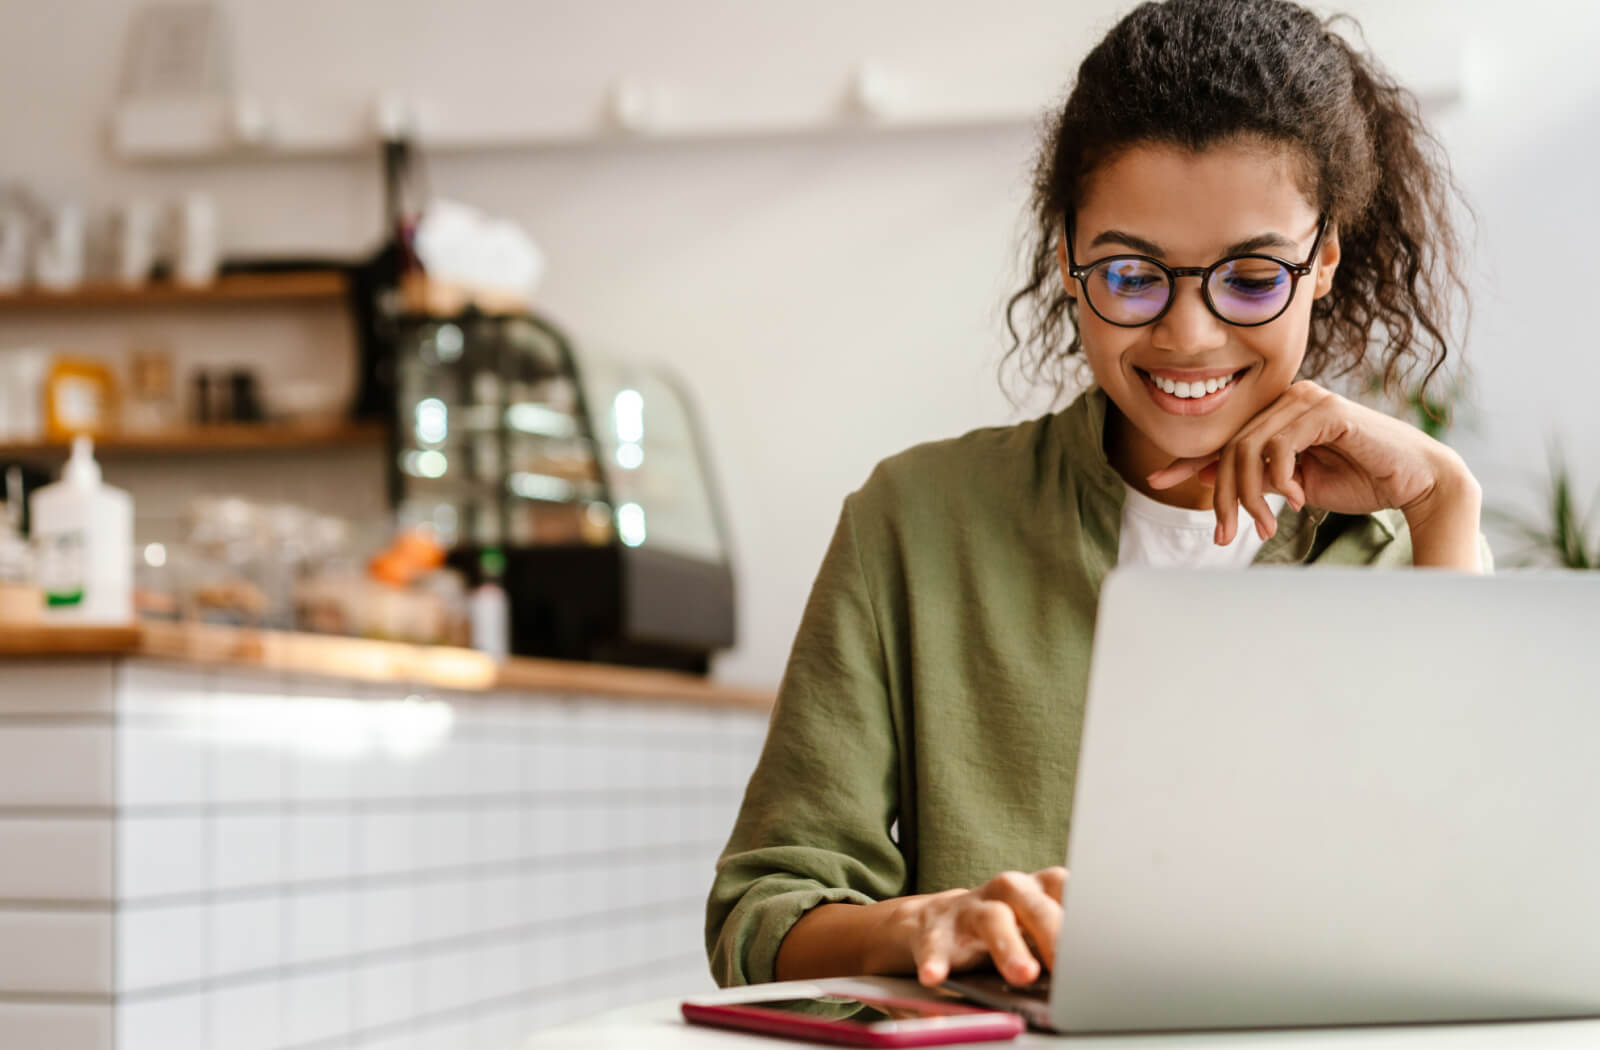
(367, 660)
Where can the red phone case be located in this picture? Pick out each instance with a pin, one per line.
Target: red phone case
(983, 1024)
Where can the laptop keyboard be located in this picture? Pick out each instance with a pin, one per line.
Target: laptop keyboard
(989, 979)
(1040, 987)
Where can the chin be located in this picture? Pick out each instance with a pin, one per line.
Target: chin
(1186, 445)
(1185, 438)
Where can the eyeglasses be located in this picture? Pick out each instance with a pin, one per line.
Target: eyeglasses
(1130, 291)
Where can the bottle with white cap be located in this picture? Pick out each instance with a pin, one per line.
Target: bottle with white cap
(83, 532)
(488, 609)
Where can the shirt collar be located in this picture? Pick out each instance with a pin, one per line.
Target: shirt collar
(1083, 425)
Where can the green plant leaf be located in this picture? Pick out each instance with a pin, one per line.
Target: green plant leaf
(1562, 538)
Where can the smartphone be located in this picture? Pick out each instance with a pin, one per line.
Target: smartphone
(874, 1021)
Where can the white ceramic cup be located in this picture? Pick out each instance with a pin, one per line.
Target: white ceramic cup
(136, 241)
(59, 257)
(198, 250)
(13, 249)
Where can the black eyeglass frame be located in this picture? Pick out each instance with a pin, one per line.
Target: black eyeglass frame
(1296, 271)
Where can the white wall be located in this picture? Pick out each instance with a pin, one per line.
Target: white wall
(829, 299)
(1526, 150)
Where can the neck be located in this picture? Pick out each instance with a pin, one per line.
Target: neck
(1135, 457)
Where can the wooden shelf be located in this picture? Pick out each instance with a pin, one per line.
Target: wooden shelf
(233, 288)
(219, 438)
(333, 656)
(38, 640)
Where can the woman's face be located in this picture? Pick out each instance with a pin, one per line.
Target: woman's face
(1190, 209)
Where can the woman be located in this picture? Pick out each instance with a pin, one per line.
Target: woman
(1230, 205)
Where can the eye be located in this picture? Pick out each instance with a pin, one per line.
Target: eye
(1129, 277)
(1254, 278)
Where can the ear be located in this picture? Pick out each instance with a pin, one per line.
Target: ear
(1061, 257)
(1327, 262)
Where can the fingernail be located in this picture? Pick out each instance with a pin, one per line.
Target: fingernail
(1216, 534)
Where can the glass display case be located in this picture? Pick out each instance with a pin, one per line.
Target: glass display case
(651, 460)
(588, 473)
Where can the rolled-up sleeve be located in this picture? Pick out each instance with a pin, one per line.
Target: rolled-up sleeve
(1397, 553)
(815, 824)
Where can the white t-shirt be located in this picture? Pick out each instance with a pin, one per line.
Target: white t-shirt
(1176, 537)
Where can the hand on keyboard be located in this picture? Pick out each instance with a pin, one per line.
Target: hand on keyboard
(1013, 919)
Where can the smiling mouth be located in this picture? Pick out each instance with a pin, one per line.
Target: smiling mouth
(1190, 398)
(1195, 390)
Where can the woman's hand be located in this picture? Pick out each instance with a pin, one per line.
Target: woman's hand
(1013, 918)
(1318, 448)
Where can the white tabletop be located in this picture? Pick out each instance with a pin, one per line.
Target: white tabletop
(658, 1024)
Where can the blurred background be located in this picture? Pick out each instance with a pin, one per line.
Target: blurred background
(809, 214)
(384, 310)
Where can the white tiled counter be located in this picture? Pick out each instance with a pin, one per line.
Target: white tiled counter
(199, 855)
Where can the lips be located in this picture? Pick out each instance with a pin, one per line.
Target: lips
(1191, 375)
(1195, 392)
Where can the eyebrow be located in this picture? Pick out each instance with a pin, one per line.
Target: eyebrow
(1244, 247)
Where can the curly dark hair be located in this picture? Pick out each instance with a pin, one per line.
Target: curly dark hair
(1199, 73)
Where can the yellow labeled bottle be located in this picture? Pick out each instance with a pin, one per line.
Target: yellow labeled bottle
(79, 398)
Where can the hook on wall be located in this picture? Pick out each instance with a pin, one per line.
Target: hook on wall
(874, 91)
(634, 106)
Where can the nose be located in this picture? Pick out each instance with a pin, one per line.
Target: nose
(1189, 326)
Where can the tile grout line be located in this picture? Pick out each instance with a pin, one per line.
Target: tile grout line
(118, 686)
(598, 859)
(600, 798)
(453, 942)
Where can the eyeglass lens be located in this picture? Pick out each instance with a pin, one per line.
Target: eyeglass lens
(1134, 291)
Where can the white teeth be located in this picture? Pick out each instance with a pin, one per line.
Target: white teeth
(1199, 388)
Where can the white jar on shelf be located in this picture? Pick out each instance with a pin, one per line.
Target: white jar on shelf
(13, 249)
(198, 251)
(22, 376)
(58, 260)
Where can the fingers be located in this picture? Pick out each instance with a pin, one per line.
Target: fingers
(1282, 466)
(1225, 497)
(1052, 884)
(1263, 457)
(1273, 452)
(1250, 465)
(1256, 452)
(1180, 471)
(1249, 476)
(994, 924)
(1053, 881)
(1013, 919)
(1037, 912)
(933, 952)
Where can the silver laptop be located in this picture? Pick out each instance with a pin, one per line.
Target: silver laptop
(1332, 797)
